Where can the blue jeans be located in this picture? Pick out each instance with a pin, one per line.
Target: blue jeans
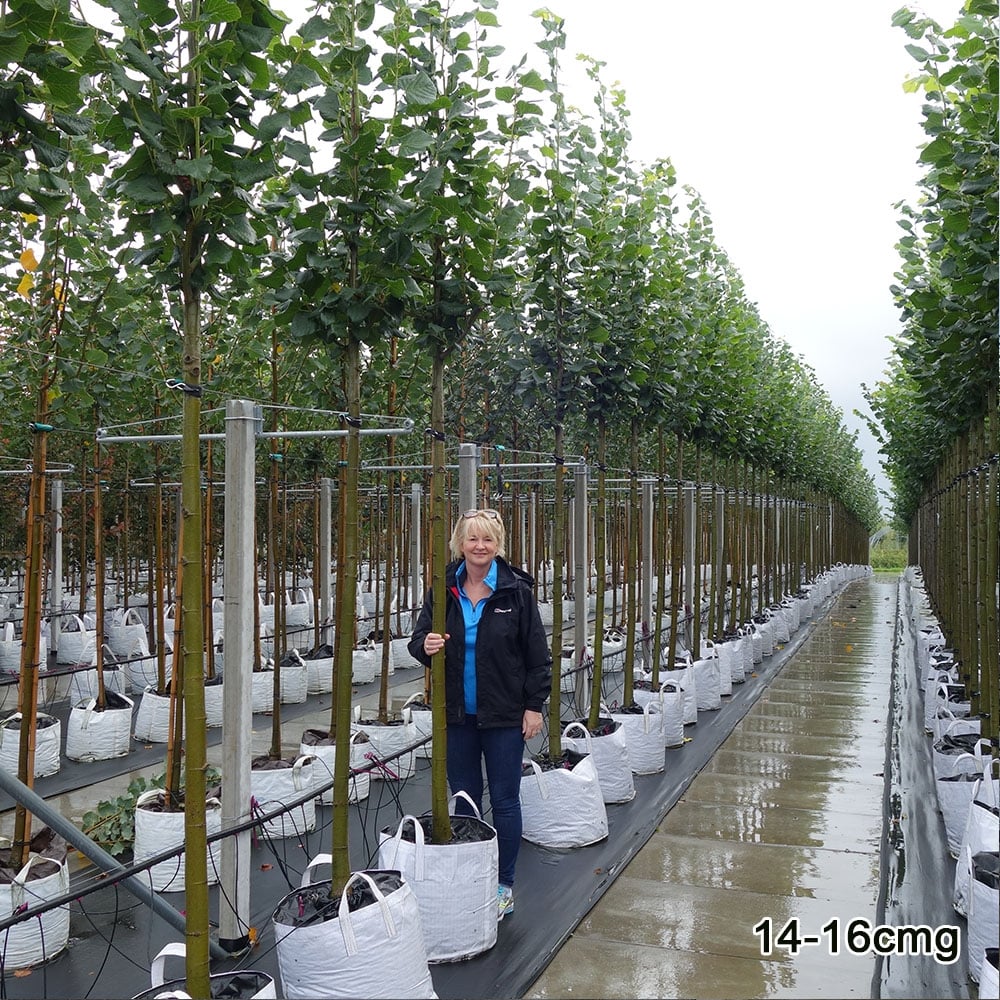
(502, 749)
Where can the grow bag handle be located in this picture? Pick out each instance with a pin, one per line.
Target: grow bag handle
(418, 839)
(461, 793)
(583, 729)
(177, 949)
(344, 913)
(543, 790)
(646, 709)
(986, 780)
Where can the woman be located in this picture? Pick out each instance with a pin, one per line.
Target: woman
(497, 676)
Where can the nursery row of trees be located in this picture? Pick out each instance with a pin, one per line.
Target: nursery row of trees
(938, 403)
(368, 194)
(373, 215)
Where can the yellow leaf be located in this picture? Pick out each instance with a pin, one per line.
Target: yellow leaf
(279, 349)
(25, 285)
(57, 292)
(29, 218)
(28, 260)
(217, 360)
(848, 647)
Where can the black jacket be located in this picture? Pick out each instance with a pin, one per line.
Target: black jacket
(513, 661)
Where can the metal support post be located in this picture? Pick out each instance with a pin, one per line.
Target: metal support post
(690, 536)
(468, 463)
(647, 575)
(56, 564)
(416, 569)
(325, 560)
(237, 719)
(578, 537)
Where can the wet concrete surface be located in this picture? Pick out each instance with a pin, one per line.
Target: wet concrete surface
(784, 823)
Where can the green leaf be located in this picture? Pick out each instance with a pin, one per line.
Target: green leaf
(419, 88)
(533, 81)
(159, 12)
(272, 125)
(200, 169)
(220, 11)
(13, 45)
(238, 229)
(415, 141)
(328, 105)
(940, 150)
(145, 190)
(147, 255)
(64, 87)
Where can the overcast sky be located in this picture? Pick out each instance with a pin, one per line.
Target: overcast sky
(790, 119)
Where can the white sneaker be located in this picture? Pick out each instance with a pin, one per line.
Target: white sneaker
(505, 901)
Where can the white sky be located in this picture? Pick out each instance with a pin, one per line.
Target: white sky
(790, 119)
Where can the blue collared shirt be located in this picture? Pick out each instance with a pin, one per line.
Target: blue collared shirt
(472, 615)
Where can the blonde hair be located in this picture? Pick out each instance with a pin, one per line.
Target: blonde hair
(487, 522)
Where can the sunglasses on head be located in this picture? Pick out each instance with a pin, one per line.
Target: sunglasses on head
(493, 515)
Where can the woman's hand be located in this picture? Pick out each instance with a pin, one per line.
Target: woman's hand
(434, 642)
(531, 724)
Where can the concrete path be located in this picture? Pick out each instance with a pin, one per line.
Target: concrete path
(781, 830)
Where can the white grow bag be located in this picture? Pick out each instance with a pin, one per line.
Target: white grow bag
(152, 719)
(385, 742)
(643, 738)
(10, 650)
(262, 690)
(707, 688)
(213, 702)
(421, 716)
(364, 665)
(47, 743)
(984, 907)
(157, 831)
(982, 832)
(780, 624)
(562, 807)
(610, 756)
(78, 645)
(294, 679)
(324, 758)
(731, 660)
(127, 637)
(220, 983)
(319, 675)
(35, 939)
(376, 950)
(455, 885)
(273, 787)
(93, 735)
(954, 795)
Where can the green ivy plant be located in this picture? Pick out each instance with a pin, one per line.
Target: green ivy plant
(111, 823)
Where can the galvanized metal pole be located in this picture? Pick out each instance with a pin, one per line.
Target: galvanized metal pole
(578, 536)
(720, 572)
(647, 574)
(237, 719)
(468, 461)
(416, 568)
(325, 560)
(690, 536)
(56, 564)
